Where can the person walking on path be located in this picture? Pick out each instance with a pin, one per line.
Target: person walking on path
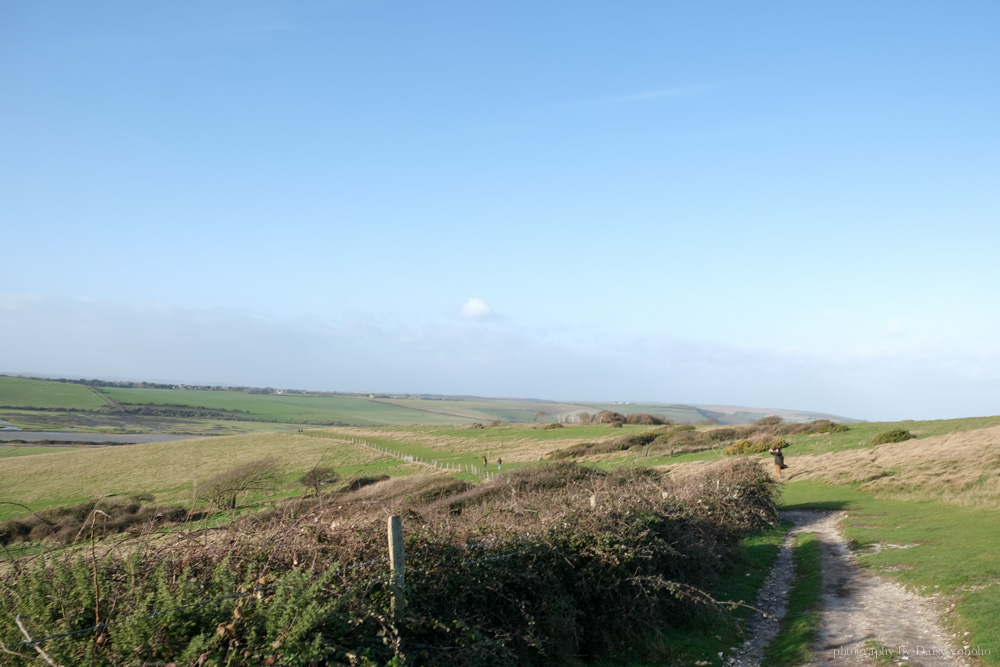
(779, 460)
(485, 463)
(499, 463)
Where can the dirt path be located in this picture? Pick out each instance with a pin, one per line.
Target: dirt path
(862, 613)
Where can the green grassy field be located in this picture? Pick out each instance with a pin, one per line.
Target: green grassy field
(286, 408)
(18, 392)
(105, 422)
(169, 470)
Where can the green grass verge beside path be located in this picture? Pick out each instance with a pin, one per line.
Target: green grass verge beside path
(934, 547)
(800, 626)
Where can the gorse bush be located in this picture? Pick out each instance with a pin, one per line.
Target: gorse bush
(744, 447)
(827, 426)
(895, 435)
(771, 420)
(548, 565)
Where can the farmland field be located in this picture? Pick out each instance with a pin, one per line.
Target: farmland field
(286, 408)
(23, 392)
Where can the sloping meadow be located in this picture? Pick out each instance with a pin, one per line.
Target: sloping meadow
(960, 468)
(547, 565)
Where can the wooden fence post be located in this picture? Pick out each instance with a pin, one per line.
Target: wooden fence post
(396, 563)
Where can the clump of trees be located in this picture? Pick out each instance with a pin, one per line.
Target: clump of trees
(610, 417)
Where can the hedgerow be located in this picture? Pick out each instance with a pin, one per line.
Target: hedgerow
(546, 565)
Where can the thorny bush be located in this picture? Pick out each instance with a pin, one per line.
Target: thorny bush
(548, 565)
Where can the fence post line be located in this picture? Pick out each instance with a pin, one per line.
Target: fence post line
(396, 563)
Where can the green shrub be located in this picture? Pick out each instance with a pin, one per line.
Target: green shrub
(895, 435)
(744, 447)
(827, 426)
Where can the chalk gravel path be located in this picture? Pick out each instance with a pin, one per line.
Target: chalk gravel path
(858, 607)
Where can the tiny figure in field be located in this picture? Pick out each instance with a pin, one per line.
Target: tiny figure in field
(485, 462)
(499, 463)
(779, 460)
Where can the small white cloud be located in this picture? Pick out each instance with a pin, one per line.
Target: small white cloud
(476, 309)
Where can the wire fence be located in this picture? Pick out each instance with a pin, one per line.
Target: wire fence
(482, 472)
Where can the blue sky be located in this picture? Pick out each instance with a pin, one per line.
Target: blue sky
(780, 204)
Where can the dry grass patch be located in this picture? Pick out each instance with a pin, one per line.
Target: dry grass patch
(959, 468)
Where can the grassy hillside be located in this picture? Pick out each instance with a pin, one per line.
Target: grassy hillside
(170, 469)
(960, 467)
(45, 405)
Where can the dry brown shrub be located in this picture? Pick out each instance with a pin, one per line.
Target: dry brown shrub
(646, 419)
(223, 490)
(608, 417)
